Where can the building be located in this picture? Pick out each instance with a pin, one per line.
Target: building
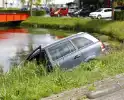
(96, 3)
(1, 3)
(10, 3)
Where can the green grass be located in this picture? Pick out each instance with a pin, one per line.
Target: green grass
(9, 8)
(113, 29)
(32, 82)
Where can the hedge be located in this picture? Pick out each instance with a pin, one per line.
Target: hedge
(35, 13)
(111, 28)
(119, 15)
(38, 13)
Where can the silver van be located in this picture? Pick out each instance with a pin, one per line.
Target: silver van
(68, 52)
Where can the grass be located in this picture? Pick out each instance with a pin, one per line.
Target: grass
(32, 82)
(9, 8)
(113, 29)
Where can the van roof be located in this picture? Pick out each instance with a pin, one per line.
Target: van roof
(78, 34)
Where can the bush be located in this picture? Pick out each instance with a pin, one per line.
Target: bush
(38, 13)
(114, 29)
(119, 15)
(32, 82)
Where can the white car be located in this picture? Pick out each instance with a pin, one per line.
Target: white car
(101, 13)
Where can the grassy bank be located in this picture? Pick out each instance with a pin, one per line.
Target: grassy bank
(31, 82)
(110, 28)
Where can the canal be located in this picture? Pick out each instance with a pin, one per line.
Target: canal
(17, 43)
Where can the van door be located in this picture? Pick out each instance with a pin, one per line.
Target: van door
(64, 54)
(37, 55)
(86, 47)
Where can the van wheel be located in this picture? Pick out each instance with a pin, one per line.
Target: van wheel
(99, 17)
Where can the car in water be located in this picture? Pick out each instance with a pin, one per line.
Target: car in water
(68, 52)
(101, 13)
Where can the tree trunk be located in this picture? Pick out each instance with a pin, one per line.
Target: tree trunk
(112, 9)
(31, 2)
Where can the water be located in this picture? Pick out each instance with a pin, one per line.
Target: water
(16, 43)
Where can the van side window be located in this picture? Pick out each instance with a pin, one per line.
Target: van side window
(60, 50)
(81, 42)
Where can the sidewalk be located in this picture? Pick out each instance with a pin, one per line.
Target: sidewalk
(107, 89)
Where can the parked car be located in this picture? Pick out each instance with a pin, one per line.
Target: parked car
(59, 12)
(27, 8)
(72, 10)
(24, 9)
(68, 52)
(101, 13)
(119, 8)
(82, 12)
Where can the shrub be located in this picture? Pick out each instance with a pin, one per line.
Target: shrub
(114, 29)
(32, 82)
(119, 15)
(38, 13)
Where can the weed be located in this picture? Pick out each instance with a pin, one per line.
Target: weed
(32, 82)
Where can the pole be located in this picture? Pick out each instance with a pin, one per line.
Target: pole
(3, 3)
(112, 9)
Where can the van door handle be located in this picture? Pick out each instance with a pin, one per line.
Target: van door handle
(77, 56)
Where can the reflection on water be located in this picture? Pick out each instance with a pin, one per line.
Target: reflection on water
(16, 43)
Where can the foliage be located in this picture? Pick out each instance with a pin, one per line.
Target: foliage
(119, 15)
(32, 82)
(30, 3)
(114, 29)
(119, 2)
(38, 13)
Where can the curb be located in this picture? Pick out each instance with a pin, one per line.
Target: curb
(102, 88)
(113, 86)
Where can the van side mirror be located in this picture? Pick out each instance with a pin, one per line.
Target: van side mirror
(34, 53)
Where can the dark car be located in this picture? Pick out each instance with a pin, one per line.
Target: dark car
(82, 12)
(24, 9)
(68, 52)
(119, 8)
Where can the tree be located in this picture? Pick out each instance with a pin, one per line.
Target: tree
(30, 3)
(23, 1)
(47, 1)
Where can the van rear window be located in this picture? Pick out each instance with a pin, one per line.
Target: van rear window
(81, 42)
